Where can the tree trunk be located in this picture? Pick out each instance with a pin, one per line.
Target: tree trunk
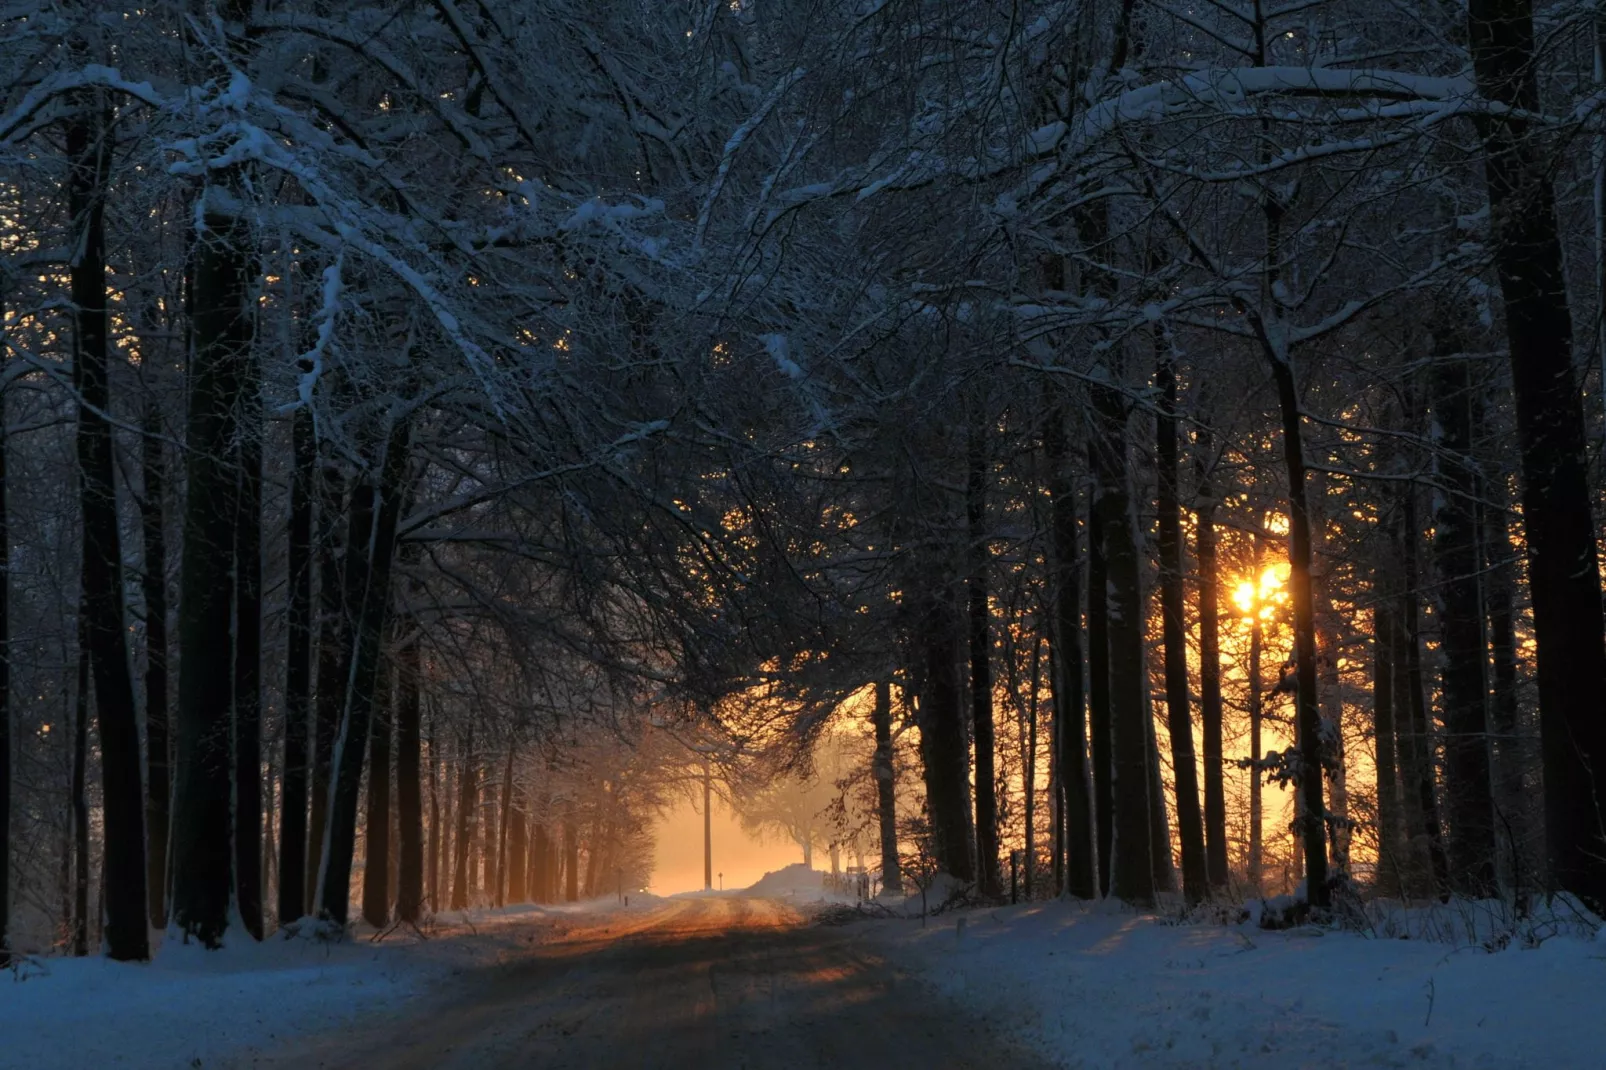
(158, 759)
(248, 653)
(1098, 687)
(571, 862)
(376, 859)
(988, 875)
(1132, 865)
(80, 794)
(346, 764)
(1416, 744)
(1066, 630)
(886, 800)
(1307, 707)
(1564, 572)
(1393, 857)
(708, 826)
(106, 632)
(1210, 708)
(466, 791)
(1030, 876)
(1468, 791)
(1257, 814)
(517, 851)
(5, 671)
(1179, 718)
(333, 639)
(499, 896)
(942, 732)
(297, 672)
(540, 877)
(1511, 792)
(409, 763)
(203, 873)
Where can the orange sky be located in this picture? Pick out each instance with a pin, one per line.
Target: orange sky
(740, 857)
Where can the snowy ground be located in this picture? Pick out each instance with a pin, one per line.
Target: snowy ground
(1110, 989)
(191, 1008)
(1083, 988)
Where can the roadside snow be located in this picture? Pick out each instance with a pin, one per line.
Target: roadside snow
(191, 1007)
(1102, 988)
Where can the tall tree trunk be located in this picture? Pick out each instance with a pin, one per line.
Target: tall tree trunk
(409, 763)
(333, 642)
(1132, 867)
(346, 765)
(297, 671)
(122, 775)
(158, 746)
(80, 793)
(466, 791)
(1179, 718)
(571, 862)
(942, 736)
(1030, 876)
(540, 876)
(1564, 572)
(1100, 732)
(5, 669)
(886, 799)
(1210, 708)
(1069, 714)
(1257, 813)
(1511, 792)
(708, 826)
(1307, 705)
(1416, 744)
(501, 882)
(248, 653)
(1468, 791)
(988, 875)
(517, 850)
(1392, 855)
(376, 840)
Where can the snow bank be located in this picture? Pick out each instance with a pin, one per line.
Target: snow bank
(1111, 989)
(796, 879)
(192, 1007)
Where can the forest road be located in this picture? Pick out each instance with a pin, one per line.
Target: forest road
(726, 983)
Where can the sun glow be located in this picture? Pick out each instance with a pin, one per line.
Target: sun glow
(1263, 598)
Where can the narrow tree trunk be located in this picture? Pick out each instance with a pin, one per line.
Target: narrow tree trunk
(1165, 877)
(1416, 748)
(158, 758)
(540, 877)
(80, 794)
(1066, 630)
(248, 653)
(1393, 859)
(333, 640)
(346, 765)
(1030, 875)
(942, 732)
(571, 862)
(708, 826)
(409, 764)
(1468, 790)
(886, 799)
(297, 672)
(501, 882)
(1511, 792)
(1257, 812)
(1210, 708)
(1132, 867)
(1179, 718)
(1098, 688)
(1307, 706)
(517, 851)
(1564, 571)
(376, 859)
(979, 614)
(122, 775)
(466, 791)
(5, 672)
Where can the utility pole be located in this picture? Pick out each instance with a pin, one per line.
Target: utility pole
(708, 828)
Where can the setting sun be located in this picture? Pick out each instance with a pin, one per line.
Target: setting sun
(1263, 599)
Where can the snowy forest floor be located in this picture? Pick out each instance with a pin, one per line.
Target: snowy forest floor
(733, 981)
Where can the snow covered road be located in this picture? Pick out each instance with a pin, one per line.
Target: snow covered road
(696, 982)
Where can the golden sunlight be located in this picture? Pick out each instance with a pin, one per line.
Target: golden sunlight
(1263, 598)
